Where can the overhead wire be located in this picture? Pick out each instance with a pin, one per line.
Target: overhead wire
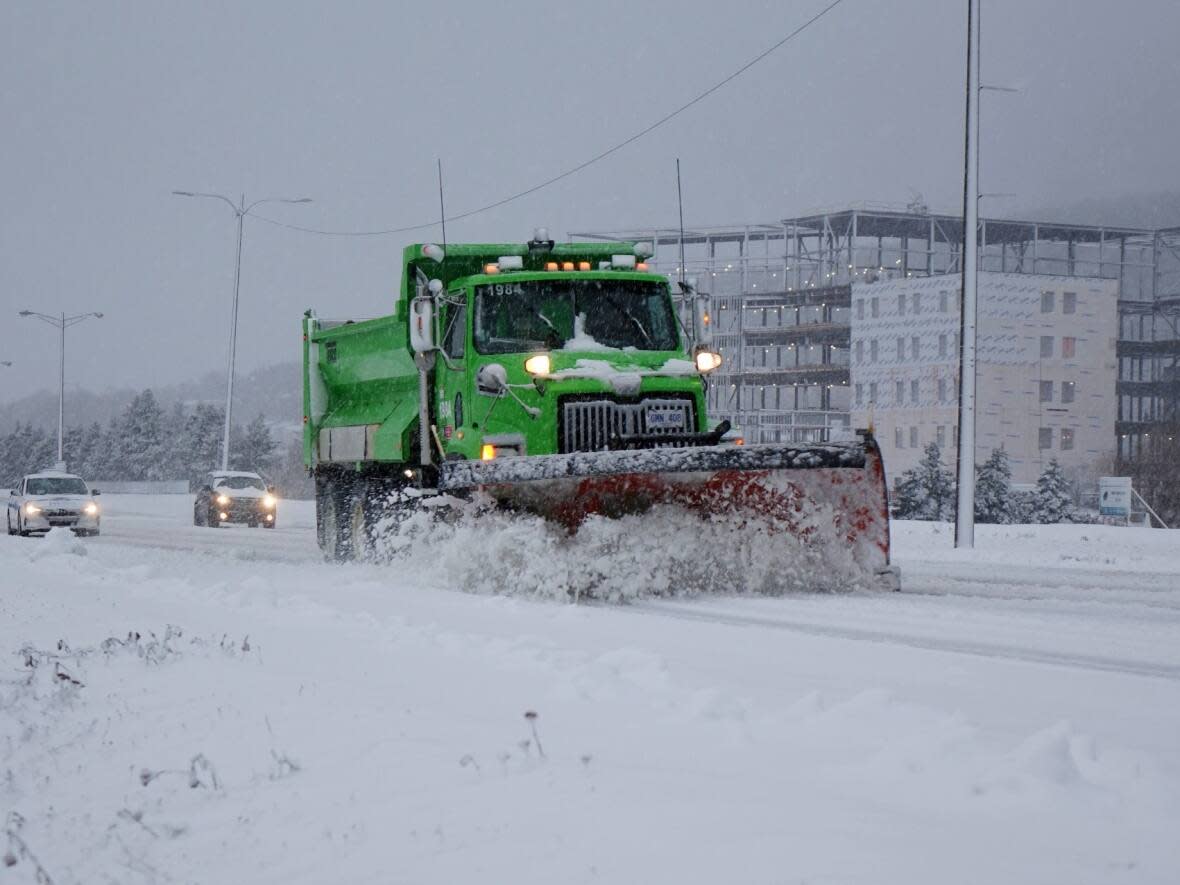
(602, 155)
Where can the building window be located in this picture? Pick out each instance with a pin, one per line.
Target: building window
(876, 308)
(1066, 439)
(943, 300)
(1046, 302)
(1046, 346)
(860, 394)
(942, 344)
(873, 351)
(915, 347)
(900, 349)
(899, 393)
(872, 392)
(898, 438)
(917, 302)
(1046, 391)
(940, 435)
(942, 390)
(901, 304)
(914, 391)
(1067, 391)
(913, 437)
(1045, 438)
(860, 350)
(1069, 347)
(860, 309)
(1069, 302)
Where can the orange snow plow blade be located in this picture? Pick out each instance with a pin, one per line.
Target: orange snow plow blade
(829, 497)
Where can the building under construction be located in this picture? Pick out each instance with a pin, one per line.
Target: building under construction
(782, 296)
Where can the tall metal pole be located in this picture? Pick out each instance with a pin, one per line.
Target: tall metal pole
(965, 511)
(233, 340)
(61, 394)
(241, 210)
(60, 322)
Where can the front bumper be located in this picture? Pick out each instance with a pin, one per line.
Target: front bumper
(249, 510)
(51, 518)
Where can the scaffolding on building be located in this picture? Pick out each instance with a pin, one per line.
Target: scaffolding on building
(784, 289)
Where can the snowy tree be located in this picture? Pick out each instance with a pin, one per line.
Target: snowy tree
(993, 492)
(927, 491)
(140, 439)
(253, 448)
(1053, 499)
(198, 448)
(26, 449)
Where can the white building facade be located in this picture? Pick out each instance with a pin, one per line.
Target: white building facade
(1045, 381)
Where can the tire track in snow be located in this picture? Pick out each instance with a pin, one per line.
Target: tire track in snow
(926, 643)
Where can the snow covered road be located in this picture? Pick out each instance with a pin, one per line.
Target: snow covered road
(1013, 716)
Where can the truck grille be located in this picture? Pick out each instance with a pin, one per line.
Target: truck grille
(590, 425)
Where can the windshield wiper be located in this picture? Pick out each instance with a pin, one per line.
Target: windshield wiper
(623, 310)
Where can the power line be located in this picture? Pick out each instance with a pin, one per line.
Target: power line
(575, 169)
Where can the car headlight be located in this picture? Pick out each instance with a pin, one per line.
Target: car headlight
(707, 361)
(537, 365)
(91, 509)
(32, 509)
(223, 500)
(269, 502)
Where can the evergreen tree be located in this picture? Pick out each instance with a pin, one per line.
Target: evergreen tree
(254, 447)
(198, 449)
(1053, 500)
(928, 490)
(141, 439)
(993, 493)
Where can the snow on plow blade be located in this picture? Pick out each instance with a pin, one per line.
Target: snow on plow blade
(829, 496)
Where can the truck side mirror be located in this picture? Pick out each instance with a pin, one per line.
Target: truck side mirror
(13, 492)
(492, 379)
(422, 324)
(94, 493)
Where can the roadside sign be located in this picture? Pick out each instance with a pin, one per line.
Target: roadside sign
(1114, 496)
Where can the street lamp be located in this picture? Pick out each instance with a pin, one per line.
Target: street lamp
(62, 323)
(241, 210)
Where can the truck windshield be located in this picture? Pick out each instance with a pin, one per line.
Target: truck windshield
(515, 317)
(239, 482)
(56, 485)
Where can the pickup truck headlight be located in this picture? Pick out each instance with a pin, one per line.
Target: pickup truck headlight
(707, 361)
(537, 365)
(32, 509)
(91, 509)
(223, 500)
(269, 502)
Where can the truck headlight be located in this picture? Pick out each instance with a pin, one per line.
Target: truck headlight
(91, 509)
(707, 361)
(537, 365)
(269, 502)
(223, 500)
(32, 509)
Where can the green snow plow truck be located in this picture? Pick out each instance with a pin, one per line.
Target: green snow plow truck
(560, 379)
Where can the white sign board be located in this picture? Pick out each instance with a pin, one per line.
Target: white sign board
(1114, 496)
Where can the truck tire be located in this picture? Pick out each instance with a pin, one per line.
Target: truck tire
(339, 513)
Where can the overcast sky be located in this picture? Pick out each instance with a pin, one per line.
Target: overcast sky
(106, 108)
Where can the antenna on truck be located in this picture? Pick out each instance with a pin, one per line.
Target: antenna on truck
(680, 202)
(442, 213)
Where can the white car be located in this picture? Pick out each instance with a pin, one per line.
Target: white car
(229, 496)
(51, 499)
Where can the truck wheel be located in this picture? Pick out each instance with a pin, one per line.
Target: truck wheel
(196, 515)
(336, 502)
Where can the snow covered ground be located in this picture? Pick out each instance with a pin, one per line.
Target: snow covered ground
(180, 704)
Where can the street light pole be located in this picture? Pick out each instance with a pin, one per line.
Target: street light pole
(61, 322)
(241, 210)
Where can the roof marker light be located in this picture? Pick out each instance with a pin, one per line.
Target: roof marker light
(567, 265)
(550, 265)
(491, 268)
(433, 252)
(642, 265)
(583, 265)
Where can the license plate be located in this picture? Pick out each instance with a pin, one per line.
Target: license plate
(664, 420)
